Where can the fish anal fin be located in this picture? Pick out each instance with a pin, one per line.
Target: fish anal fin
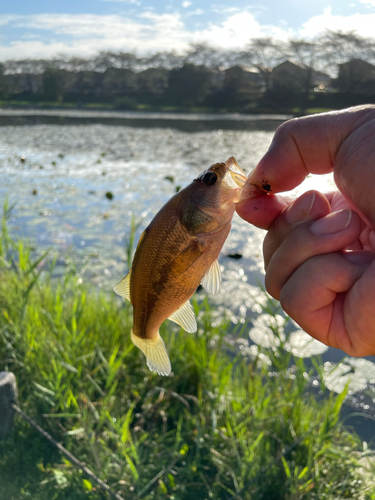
(123, 288)
(155, 352)
(184, 316)
(211, 280)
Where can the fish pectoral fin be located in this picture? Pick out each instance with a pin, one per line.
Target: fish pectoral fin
(211, 280)
(155, 352)
(123, 288)
(184, 316)
(187, 257)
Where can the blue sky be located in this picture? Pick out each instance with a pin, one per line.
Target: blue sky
(80, 27)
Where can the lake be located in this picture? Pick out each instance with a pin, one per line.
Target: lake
(78, 178)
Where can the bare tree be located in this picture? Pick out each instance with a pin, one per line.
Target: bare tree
(121, 60)
(203, 54)
(243, 57)
(337, 47)
(163, 60)
(74, 64)
(302, 52)
(232, 57)
(305, 53)
(28, 66)
(263, 54)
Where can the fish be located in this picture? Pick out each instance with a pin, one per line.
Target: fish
(176, 253)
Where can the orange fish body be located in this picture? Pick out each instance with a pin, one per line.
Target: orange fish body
(177, 252)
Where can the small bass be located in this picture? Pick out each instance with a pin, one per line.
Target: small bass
(177, 252)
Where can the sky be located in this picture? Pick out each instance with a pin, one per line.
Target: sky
(41, 29)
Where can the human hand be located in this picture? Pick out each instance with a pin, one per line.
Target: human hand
(319, 251)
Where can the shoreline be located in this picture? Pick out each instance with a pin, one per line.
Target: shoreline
(188, 122)
(157, 115)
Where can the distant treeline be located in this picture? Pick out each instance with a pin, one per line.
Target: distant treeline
(334, 70)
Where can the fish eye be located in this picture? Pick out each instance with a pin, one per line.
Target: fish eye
(209, 178)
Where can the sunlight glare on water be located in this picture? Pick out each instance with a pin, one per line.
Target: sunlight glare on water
(60, 177)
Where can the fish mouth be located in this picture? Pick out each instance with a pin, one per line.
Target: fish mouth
(235, 175)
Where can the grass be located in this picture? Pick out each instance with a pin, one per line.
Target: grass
(112, 106)
(225, 425)
(4, 103)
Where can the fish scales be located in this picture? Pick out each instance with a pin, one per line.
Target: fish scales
(152, 280)
(177, 252)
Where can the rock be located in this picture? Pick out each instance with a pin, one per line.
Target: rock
(8, 396)
(235, 255)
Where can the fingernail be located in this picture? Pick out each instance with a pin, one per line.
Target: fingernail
(362, 257)
(300, 208)
(332, 223)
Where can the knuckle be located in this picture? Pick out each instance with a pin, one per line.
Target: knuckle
(287, 301)
(286, 128)
(271, 286)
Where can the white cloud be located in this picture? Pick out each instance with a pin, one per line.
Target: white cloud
(362, 23)
(85, 35)
(7, 19)
(34, 49)
(224, 10)
(368, 2)
(237, 31)
(186, 4)
(45, 35)
(196, 12)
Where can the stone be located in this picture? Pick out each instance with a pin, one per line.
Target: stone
(8, 396)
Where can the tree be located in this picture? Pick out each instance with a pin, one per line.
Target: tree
(3, 82)
(30, 66)
(75, 64)
(53, 84)
(263, 54)
(305, 54)
(122, 60)
(202, 54)
(337, 47)
(189, 85)
(163, 60)
(302, 52)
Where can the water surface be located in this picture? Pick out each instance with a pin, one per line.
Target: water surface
(59, 177)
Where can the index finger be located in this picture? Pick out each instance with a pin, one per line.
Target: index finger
(306, 145)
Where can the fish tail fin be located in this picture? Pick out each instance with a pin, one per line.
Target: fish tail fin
(155, 352)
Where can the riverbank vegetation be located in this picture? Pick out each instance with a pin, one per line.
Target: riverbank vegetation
(334, 70)
(233, 422)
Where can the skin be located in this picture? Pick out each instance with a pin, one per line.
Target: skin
(319, 250)
(178, 248)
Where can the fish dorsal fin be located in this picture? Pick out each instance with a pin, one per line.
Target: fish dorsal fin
(141, 238)
(123, 288)
(184, 316)
(155, 352)
(211, 280)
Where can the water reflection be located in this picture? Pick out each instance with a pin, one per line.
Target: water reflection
(187, 122)
(59, 178)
